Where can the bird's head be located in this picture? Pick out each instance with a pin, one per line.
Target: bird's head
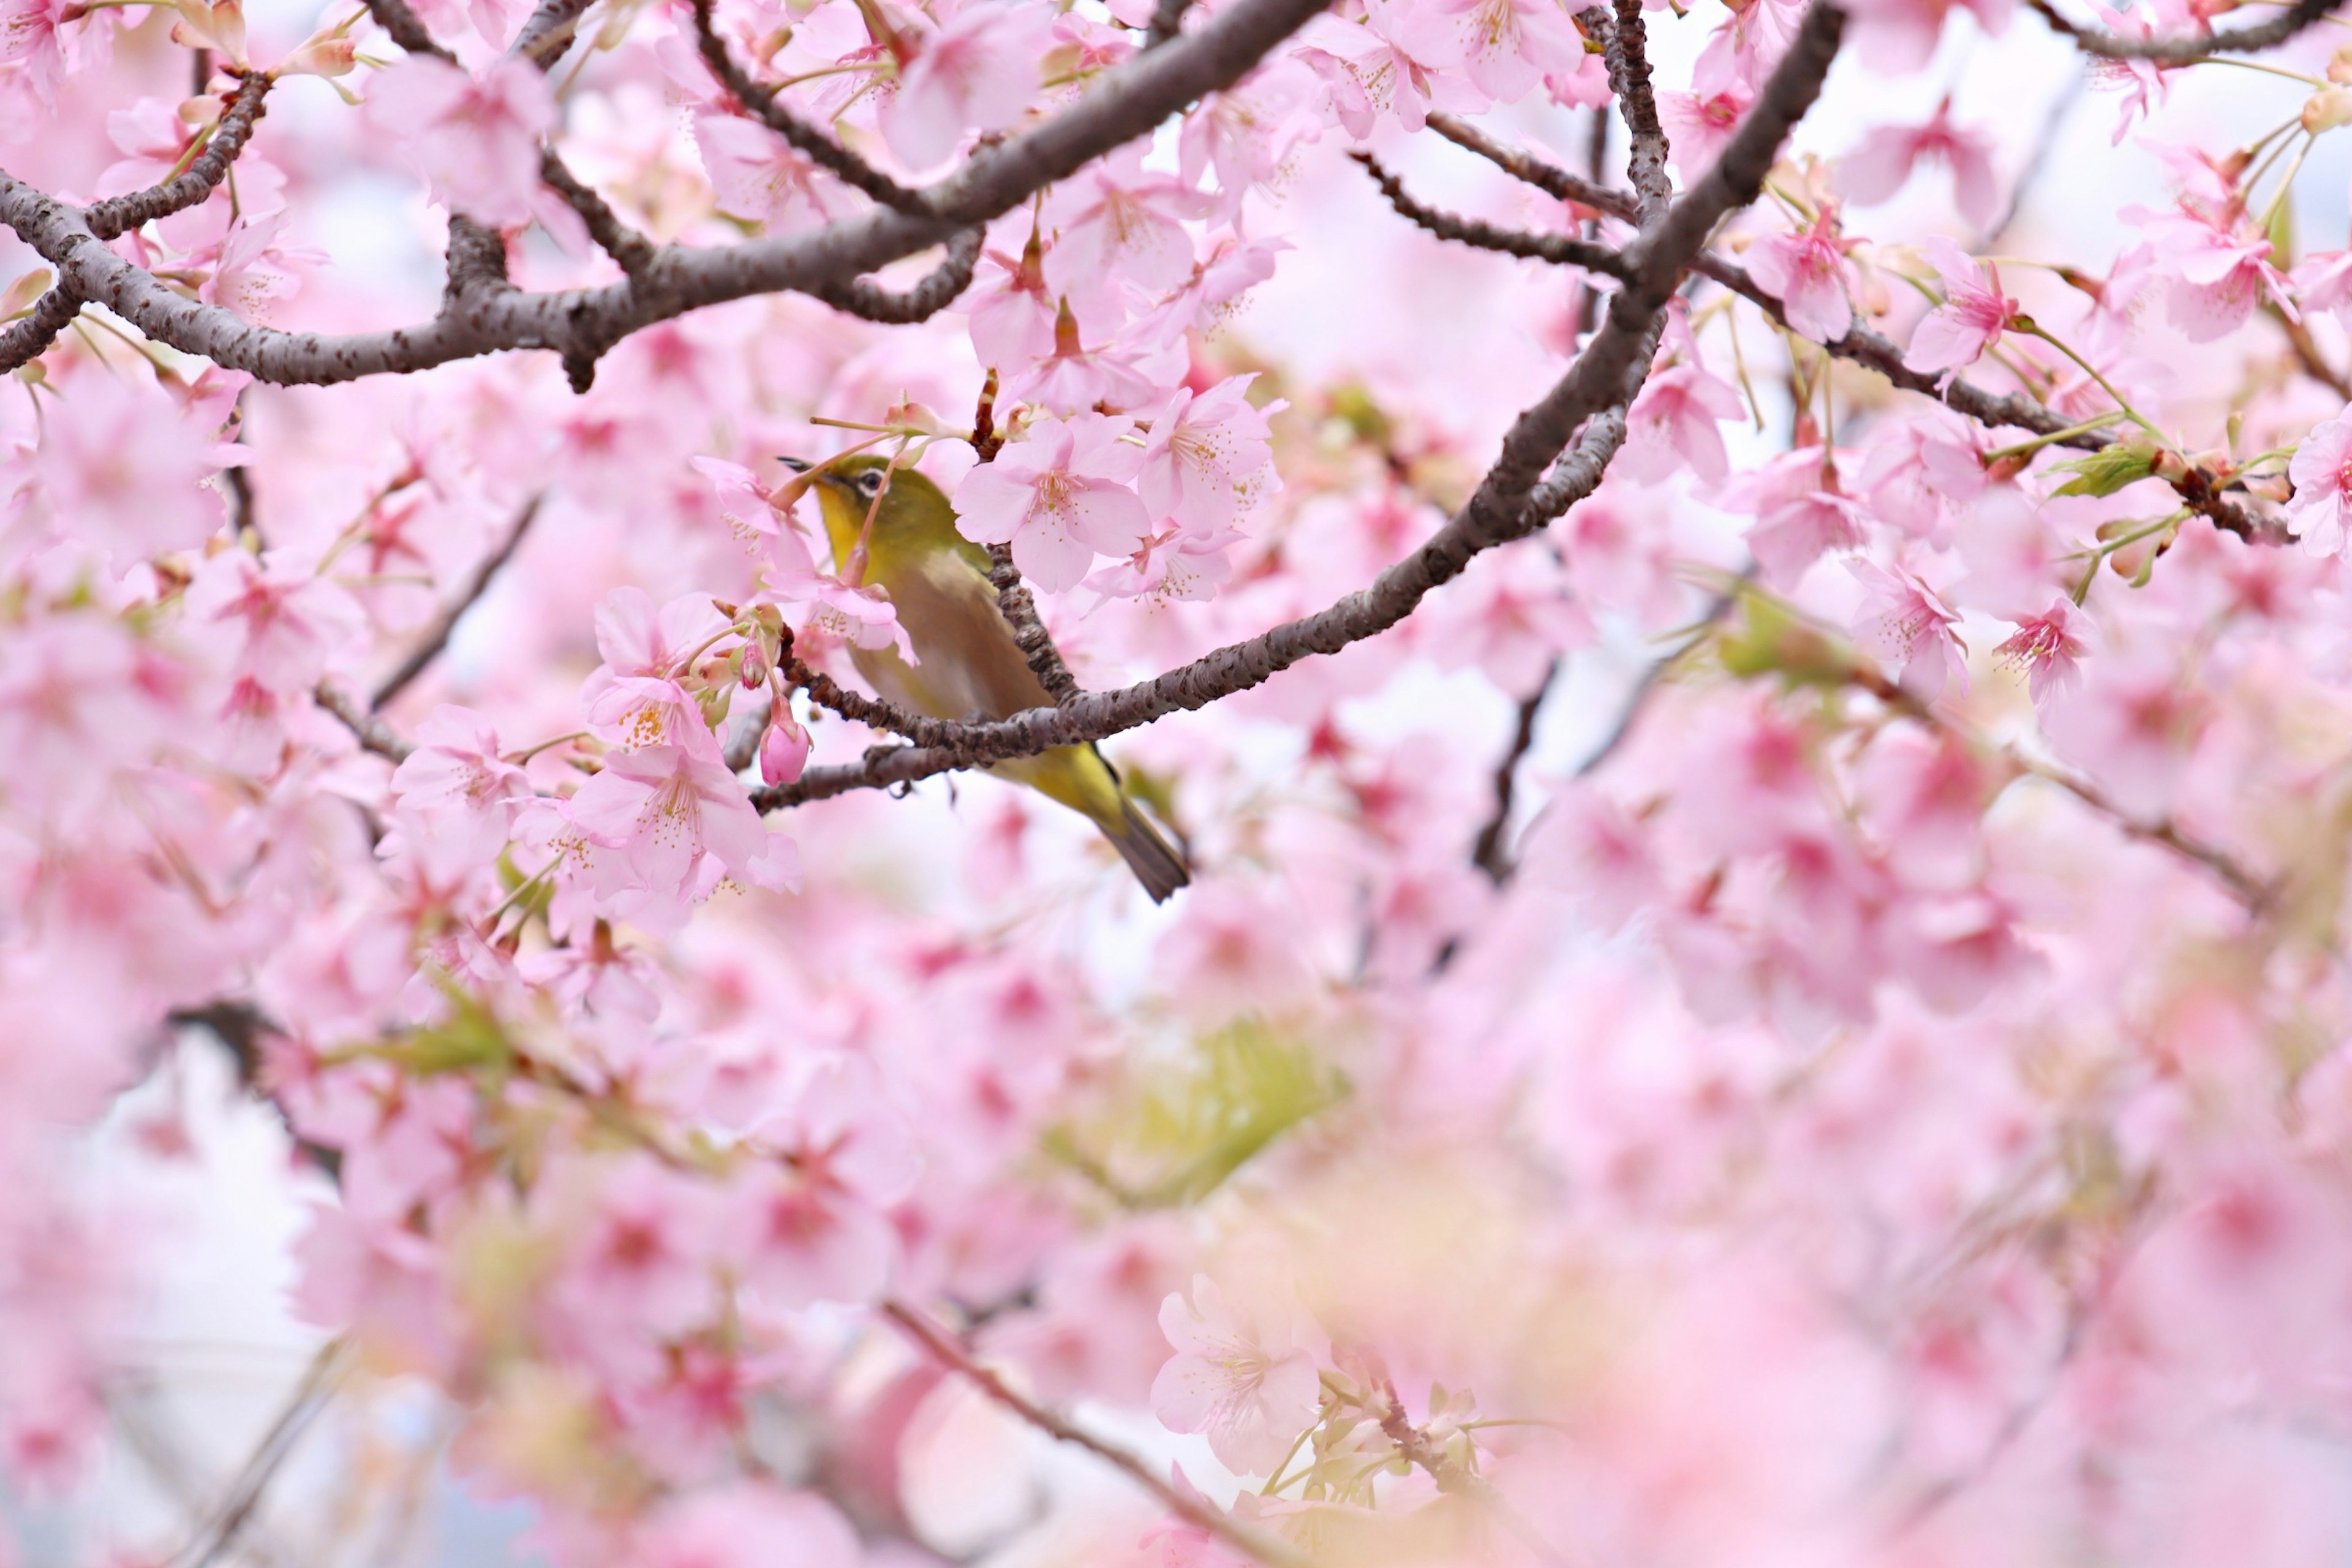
(907, 509)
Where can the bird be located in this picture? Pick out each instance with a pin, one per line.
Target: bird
(968, 662)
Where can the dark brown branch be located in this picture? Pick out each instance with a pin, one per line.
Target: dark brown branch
(407, 30)
(760, 102)
(120, 215)
(950, 1352)
(1515, 497)
(374, 734)
(1020, 611)
(437, 638)
(1491, 851)
(30, 339)
(632, 250)
(1547, 177)
(548, 31)
(1559, 249)
(1625, 47)
(1167, 22)
(927, 299)
(2186, 50)
(1123, 104)
(874, 713)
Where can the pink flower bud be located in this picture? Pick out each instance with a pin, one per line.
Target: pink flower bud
(783, 749)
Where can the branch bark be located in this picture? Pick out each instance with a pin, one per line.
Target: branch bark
(1515, 497)
(1126, 103)
(2186, 50)
(1559, 249)
(436, 639)
(942, 1347)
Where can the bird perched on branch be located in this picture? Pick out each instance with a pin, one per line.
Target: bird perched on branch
(902, 527)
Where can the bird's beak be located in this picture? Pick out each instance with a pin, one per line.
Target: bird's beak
(797, 465)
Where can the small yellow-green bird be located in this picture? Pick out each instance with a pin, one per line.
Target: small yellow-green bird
(968, 662)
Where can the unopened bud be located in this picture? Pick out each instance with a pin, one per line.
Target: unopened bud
(783, 749)
(755, 666)
(2327, 108)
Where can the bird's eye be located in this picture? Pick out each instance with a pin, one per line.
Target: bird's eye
(870, 482)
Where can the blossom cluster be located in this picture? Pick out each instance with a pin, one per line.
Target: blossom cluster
(1796, 1011)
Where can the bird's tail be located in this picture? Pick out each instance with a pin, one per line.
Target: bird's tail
(1154, 861)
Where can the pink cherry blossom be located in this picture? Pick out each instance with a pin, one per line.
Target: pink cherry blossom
(1907, 624)
(1059, 496)
(473, 139)
(1365, 75)
(667, 809)
(1250, 1384)
(1505, 46)
(2216, 269)
(1974, 314)
(288, 623)
(2047, 649)
(1672, 425)
(1119, 223)
(457, 779)
(2321, 472)
(1207, 458)
(1882, 165)
(1700, 123)
(977, 73)
(758, 175)
(1807, 271)
(122, 469)
(635, 697)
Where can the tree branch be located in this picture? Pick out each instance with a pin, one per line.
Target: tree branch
(1515, 498)
(759, 100)
(943, 1348)
(549, 30)
(1167, 23)
(625, 244)
(1020, 611)
(2182, 50)
(1559, 249)
(1127, 102)
(311, 1395)
(927, 299)
(435, 640)
(374, 734)
(1625, 47)
(407, 30)
(1491, 852)
(30, 339)
(1546, 177)
(120, 215)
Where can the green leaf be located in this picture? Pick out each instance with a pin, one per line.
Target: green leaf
(468, 1038)
(1171, 1132)
(2106, 470)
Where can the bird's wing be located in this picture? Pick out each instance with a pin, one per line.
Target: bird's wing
(969, 661)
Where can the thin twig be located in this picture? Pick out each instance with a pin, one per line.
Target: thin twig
(944, 1348)
(407, 30)
(310, 1396)
(549, 30)
(2185, 49)
(760, 102)
(374, 734)
(625, 244)
(1491, 852)
(429, 647)
(1559, 249)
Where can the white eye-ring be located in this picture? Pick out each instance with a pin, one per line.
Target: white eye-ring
(869, 483)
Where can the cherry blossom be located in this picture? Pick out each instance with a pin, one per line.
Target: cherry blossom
(1250, 1385)
(669, 810)
(1505, 46)
(1906, 622)
(473, 139)
(973, 74)
(1206, 456)
(2322, 475)
(1882, 165)
(1974, 314)
(1808, 272)
(1059, 497)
